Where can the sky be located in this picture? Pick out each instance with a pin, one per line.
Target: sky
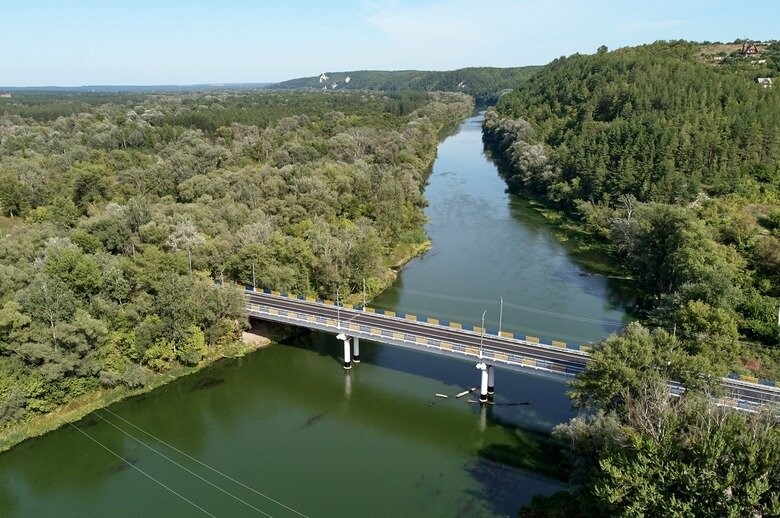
(91, 42)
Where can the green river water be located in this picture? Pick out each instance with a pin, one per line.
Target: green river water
(286, 432)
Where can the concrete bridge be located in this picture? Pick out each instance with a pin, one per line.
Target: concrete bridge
(453, 339)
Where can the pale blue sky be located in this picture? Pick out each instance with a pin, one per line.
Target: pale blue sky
(77, 42)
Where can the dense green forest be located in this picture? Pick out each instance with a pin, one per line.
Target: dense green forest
(640, 451)
(670, 154)
(485, 84)
(118, 213)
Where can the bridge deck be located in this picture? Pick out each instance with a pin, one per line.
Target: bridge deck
(455, 341)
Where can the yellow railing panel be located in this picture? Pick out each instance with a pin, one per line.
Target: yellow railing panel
(274, 292)
(532, 339)
(456, 325)
(434, 321)
(507, 334)
(472, 351)
(446, 345)
(409, 316)
(557, 343)
(389, 313)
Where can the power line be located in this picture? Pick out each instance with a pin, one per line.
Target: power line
(516, 306)
(184, 467)
(112, 452)
(206, 465)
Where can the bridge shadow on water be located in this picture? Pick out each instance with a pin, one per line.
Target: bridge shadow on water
(508, 472)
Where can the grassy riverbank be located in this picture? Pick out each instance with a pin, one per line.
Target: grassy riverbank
(81, 406)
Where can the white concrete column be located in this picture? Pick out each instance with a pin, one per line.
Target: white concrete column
(347, 350)
(356, 349)
(491, 382)
(483, 389)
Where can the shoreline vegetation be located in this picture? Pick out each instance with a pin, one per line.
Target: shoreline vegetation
(615, 150)
(98, 348)
(634, 151)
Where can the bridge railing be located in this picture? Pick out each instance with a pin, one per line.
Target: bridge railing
(583, 349)
(405, 338)
(428, 320)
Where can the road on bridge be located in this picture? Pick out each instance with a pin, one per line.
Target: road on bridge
(739, 394)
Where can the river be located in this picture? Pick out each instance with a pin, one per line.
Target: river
(285, 431)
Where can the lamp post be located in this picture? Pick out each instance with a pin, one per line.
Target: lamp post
(338, 309)
(500, 314)
(482, 334)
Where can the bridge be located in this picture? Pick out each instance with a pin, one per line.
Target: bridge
(471, 343)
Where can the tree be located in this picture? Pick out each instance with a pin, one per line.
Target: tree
(50, 300)
(623, 363)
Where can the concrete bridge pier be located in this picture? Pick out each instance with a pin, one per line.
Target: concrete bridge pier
(483, 388)
(347, 350)
(356, 349)
(491, 382)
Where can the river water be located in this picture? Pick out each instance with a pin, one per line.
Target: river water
(286, 432)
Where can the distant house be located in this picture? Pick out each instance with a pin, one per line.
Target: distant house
(749, 49)
(766, 82)
(5, 94)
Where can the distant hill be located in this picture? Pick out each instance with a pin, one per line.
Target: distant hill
(483, 83)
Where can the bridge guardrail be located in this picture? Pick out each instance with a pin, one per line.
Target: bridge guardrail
(584, 349)
(432, 321)
(508, 358)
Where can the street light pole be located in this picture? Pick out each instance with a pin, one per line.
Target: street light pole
(364, 294)
(338, 309)
(482, 335)
(500, 314)
(254, 284)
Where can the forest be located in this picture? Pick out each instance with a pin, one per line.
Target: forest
(485, 84)
(126, 218)
(671, 158)
(667, 157)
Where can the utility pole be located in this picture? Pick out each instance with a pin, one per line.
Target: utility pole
(364, 297)
(338, 309)
(500, 314)
(254, 284)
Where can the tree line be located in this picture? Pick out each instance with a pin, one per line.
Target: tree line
(675, 163)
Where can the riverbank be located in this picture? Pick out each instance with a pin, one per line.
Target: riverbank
(262, 335)
(78, 408)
